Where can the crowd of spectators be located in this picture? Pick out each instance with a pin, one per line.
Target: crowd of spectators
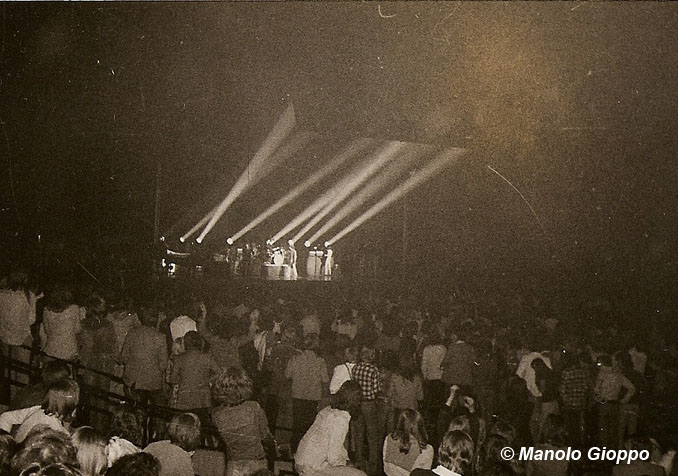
(343, 387)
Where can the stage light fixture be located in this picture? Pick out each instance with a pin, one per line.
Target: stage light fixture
(327, 243)
(307, 244)
(442, 160)
(229, 241)
(198, 240)
(182, 239)
(350, 151)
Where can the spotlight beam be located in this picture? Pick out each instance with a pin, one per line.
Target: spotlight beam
(443, 159)
(370, 189)
(356, 180)
(294, 144)
(253, 173)
(352, 150)
(388, 150)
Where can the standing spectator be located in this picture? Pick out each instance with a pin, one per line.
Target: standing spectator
(144, 355)
(343, 372)
(279, 391)
(17, 314)
(136, 464)
(553, 438)
(612, 389)
(458, 364)
(175, 454)
(367, 375)
(192, 371)
(407, 448)
(310, 324)
(308, 372)
(431, 368)
(225, 338)
(60, 325)
(240, 421)
(405, 390)
(546, 404)
(575, 394)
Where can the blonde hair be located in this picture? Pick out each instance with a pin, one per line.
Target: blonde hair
(184, 431)
(232, 387)
(91, 449)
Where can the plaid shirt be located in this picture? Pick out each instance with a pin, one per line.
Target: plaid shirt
(575, 388)
(367, 375)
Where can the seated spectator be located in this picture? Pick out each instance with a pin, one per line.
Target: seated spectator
(175, 454)
(455, 456)
(407, 448)
(32, 395)
(138, 464)
(91, 448)
(56, 412)
(7, 449)
(321, 452)
(58, 469)
(240, 421)
(405, 389)
(42, 447)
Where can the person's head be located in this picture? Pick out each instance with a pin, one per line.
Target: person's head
(554, 431)
(232, 387)
(604, 360)
(456, 452)
(7, 449)
(184, 431)
(137, 464)
(638, 443)
(193, 341)
(42, 447)
(92, 452)
(410, 427)
(61, 399)
(58, 299)
(367, 353)
(504, 429)
(460, 423)
(490, 451)
(347, 397)
(54, 370)
(311, 342)
(148, 316)
(350, 353)
(126, 423)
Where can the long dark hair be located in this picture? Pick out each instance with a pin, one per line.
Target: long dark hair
(410, 426)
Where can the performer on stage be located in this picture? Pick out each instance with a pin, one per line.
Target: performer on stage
(329, 263)
(292, 259)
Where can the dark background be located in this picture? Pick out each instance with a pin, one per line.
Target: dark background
(574, 103)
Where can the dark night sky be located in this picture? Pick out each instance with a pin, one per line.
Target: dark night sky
(575, 103)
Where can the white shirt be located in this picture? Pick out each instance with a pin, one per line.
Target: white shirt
(28, 418)
(323, 443)
(443, 471)
(340, 374)
(526, 372)
(17, 313)
(431, 359)
(310, 325)
(181, 326)
(639, 360)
